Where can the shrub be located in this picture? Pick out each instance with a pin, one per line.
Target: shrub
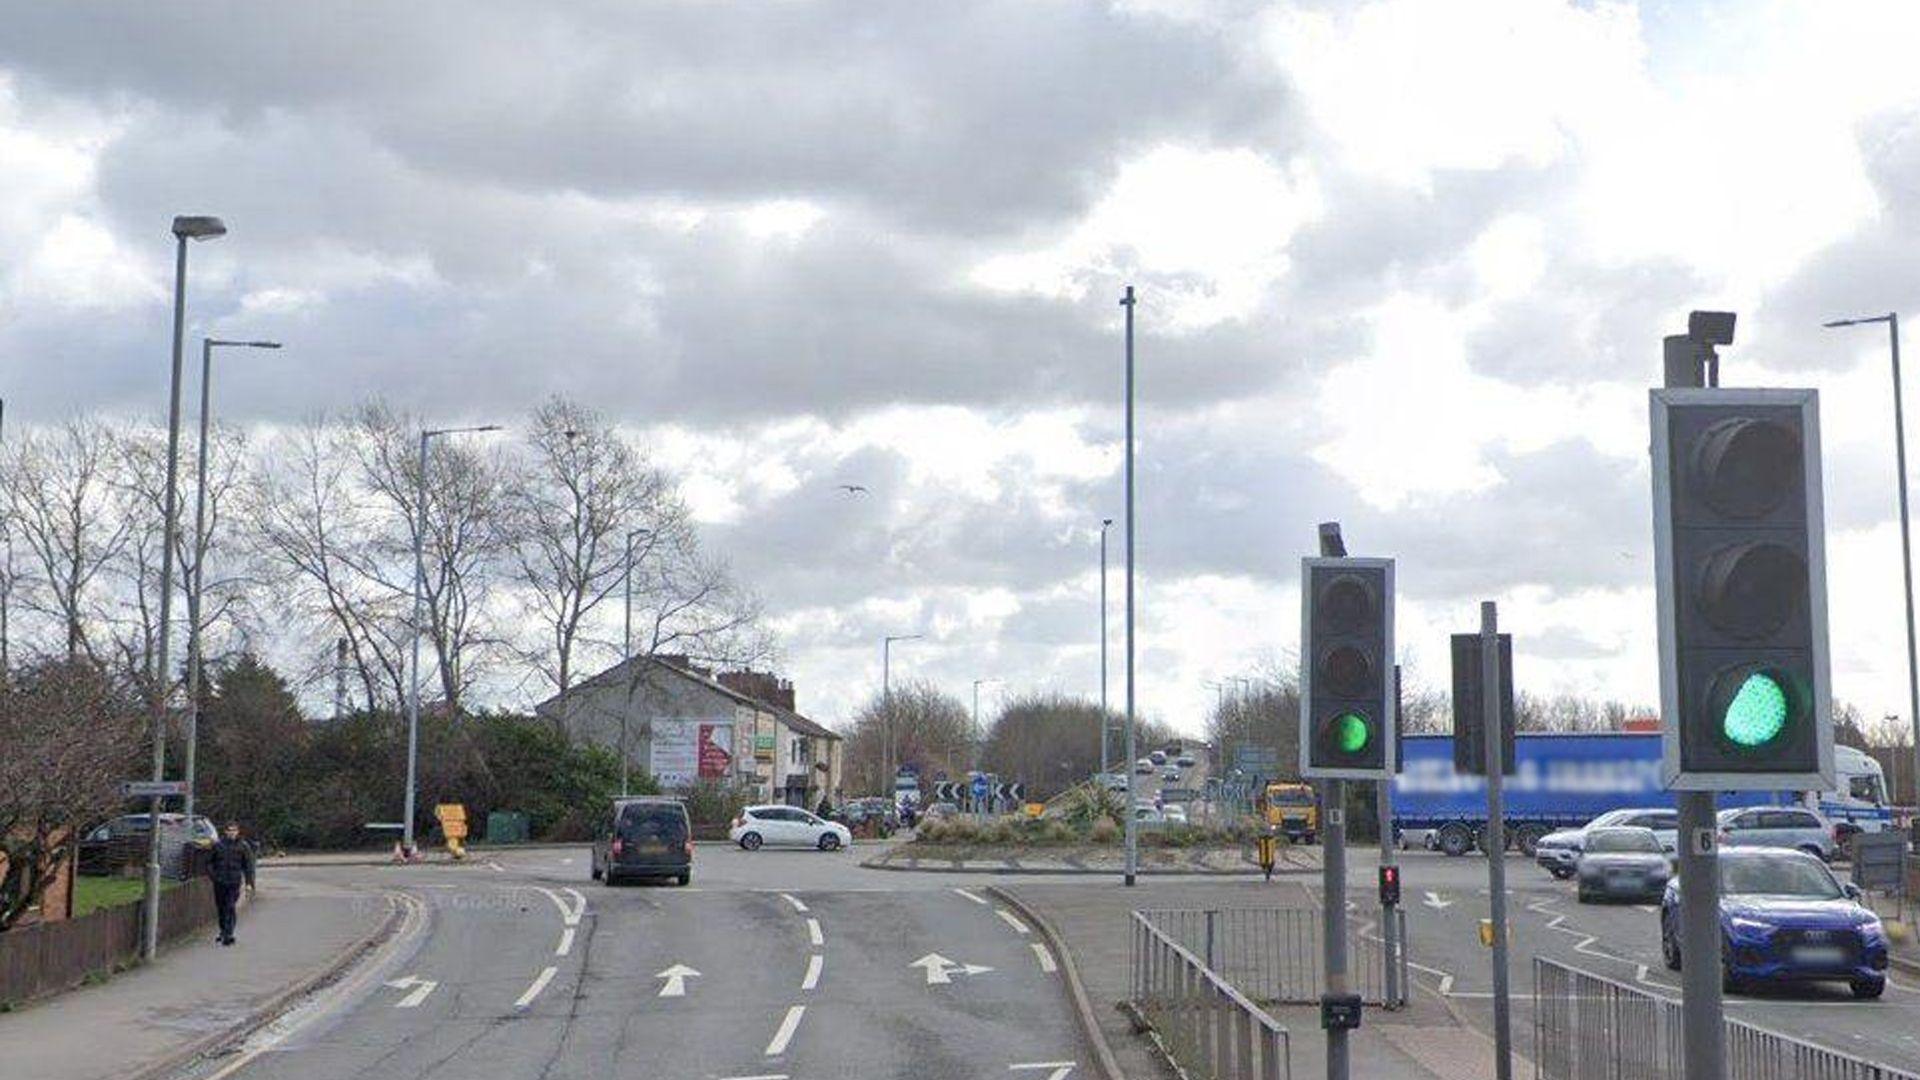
(1104, 831)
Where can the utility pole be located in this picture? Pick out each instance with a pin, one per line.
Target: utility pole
(1132, 827)
(626, 655)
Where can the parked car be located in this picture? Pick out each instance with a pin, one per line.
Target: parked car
(1780, 827)
(1559, 852)
(1621, 861)
(1174, 815)
(1114, 781)
(941, 811)
(1143, 767)
(122, 841)
(647, 837)
(1784, 919)
(787, 826)
(874, 817)
(1148, 815)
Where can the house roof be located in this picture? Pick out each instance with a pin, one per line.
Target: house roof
(614, 675)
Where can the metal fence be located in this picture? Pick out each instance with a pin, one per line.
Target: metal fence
(1589, 1027)
(1274, 954)
(1211, 1030)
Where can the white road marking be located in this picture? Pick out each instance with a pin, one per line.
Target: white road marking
(976, 899)
(1434, 901)
(794, 900)
(566, 942)
(813, 932)
(787, 1027)
(539, 984)
(758, 1076)
(940, 970)
(1007, 917)
(676, 977)
(496, 867)
(420, 987)
(569, 914)
(1648, 908)
(1060, 1069)
(1045, 956)
(812, 978)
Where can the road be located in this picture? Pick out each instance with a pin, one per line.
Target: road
(1446, 898)
(776, 964)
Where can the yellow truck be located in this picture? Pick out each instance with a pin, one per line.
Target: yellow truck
(1292, 810)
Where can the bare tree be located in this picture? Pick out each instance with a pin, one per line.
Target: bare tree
(569, 514)
(930, 729)
(66, 514)
(70, 735)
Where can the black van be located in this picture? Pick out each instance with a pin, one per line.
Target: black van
(644, 837)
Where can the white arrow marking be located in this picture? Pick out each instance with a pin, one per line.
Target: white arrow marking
(1060, 1069)
(676, 977)
(940, 970)
(421, 988)
(1433, 901)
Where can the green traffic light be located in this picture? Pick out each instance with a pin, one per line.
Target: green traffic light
(1351, 732)
(1758, 712)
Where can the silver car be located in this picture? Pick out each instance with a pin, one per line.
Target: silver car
(1622, 862)
(1778, 826)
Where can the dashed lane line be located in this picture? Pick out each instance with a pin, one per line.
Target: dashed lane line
(1045, 956)
(788, 1027)
(813, 932)
(539, 983)
(812, 978)
(795, 901)
(1008, 918)
(981, 900)
(566, 942)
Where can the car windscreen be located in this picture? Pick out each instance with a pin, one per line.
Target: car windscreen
(1601, 840)
(666, 822)
(1291, 798)
(1777, 877)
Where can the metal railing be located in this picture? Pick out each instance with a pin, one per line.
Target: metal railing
(1211, 1030)
(1590, 1027)
(1274, 954)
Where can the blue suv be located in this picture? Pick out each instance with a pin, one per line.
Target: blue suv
(1784, 919)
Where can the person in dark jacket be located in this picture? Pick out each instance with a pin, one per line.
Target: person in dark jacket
(229, 865)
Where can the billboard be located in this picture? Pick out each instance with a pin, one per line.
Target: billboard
(685, 751)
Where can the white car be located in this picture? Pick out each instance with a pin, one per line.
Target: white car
(787, 826)
(1175, 815)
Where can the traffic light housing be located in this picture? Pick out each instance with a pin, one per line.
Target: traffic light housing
(1346, 661)
(1389, 885)
(1470, 710)
(1741, 578)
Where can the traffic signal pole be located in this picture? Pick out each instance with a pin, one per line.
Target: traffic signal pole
(1333, 876)
(1496, 836)
(1702, 1010)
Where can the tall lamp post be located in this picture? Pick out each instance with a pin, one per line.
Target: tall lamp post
(887, 764)
(185, 228)
(1892, 319)
(194, 599)
(419, 601)
(1106, 726)
(1133, 831)
(977, 740)
(626, 651)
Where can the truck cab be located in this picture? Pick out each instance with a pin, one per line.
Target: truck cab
(1291, 808)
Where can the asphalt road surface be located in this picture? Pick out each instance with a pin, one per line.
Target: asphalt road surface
(776, 964)
(1446, 899)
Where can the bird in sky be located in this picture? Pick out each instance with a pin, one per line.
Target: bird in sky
(854, 489)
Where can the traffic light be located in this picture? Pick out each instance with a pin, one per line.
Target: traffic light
(1741, 578)
(1389, 885)
(1470, 710)
(1346, 660)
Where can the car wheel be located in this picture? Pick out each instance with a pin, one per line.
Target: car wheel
(1455, 839)
(1868, 989)
(1583, 895)
(685, 879)
(1729, 982)
(1560, 873)
(750, 841)
(1528, 839)
(829, 842)
(596, 872)
(608, 879)
(1669, 950)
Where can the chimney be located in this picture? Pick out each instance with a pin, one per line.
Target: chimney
(760, 686)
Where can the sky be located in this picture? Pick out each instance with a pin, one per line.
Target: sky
(1404, 264)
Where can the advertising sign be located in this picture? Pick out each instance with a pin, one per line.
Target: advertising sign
(685, 751)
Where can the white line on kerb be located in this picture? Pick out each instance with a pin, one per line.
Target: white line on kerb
(976, 899)
(1045, 956)
(1007, 917)
(566, 942)
(813, 932)
(787, 1027)
(539, 984)
(794, 900)
(814, 964)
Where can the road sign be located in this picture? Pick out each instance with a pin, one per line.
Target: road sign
(1879, 860)
(1739, 557)
(147, 789)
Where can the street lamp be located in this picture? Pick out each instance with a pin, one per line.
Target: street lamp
(886, 700)
(1106, 763)
(1892, 319)
(1132, 828)
(977, 734)
(194, 657)
(185, 228)
(626, 651)
(419, 599)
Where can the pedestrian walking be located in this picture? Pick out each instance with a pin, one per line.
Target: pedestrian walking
(229, 865)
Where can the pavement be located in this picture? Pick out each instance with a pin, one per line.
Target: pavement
(292, 937)
(1425, 1041)
(1105, 860)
